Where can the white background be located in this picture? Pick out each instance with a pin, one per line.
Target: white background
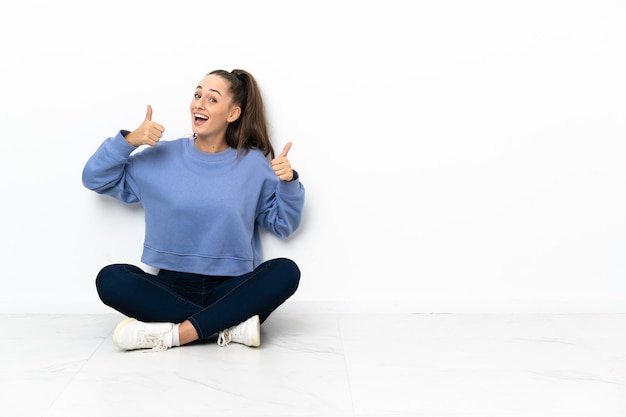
(458, 156)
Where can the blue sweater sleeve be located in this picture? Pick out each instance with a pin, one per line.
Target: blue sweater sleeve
(282, 208)
(107, 171)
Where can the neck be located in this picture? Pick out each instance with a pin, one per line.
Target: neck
(210, 145)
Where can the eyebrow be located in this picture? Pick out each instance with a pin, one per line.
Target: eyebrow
(210, 89)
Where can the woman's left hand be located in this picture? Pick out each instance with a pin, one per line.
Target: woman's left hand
(281, 165)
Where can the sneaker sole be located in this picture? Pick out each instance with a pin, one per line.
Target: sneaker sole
(118, 329)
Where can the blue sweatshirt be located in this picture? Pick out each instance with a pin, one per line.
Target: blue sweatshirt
(202, 211)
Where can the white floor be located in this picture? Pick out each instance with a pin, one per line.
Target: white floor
(324, 365)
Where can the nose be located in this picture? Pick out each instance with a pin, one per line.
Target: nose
(196, 104)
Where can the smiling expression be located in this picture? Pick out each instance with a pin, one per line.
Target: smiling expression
(212, 108)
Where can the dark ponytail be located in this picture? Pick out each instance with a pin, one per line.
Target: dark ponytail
(249, 131)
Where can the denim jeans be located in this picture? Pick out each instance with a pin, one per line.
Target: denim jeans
(210, 303)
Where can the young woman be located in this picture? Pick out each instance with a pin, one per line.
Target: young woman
(205, 199)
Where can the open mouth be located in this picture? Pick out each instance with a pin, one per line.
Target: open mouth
(199, 118)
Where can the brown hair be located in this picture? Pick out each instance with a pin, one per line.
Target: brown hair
(249, 131)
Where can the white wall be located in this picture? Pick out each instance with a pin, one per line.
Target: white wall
(459, 156)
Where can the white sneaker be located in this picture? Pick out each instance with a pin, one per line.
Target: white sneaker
(131, 334)
(247, 333)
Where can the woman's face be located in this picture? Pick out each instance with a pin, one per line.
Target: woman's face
(212, 108)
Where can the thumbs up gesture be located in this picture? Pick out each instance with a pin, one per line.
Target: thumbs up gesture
(149, 133)
(281, 165)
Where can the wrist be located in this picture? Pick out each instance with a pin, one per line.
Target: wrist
(294, 176)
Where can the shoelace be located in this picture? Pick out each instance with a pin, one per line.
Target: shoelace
(156, 339)
(224, 338)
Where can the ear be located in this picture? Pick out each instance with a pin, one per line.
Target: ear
(235, 112)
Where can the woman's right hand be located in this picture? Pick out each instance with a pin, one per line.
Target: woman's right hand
(149, 133)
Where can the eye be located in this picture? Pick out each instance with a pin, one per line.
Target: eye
(196, 95)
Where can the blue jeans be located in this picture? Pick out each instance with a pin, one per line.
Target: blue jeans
(210, 303)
